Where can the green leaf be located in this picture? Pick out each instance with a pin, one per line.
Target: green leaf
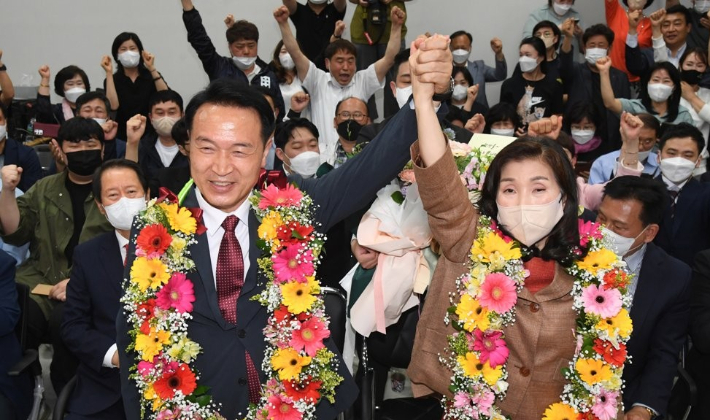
(200, 390)
(398, 197)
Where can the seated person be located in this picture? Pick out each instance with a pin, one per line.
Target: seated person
(54, 216)
(604, 167)
(659, 93)
(94, 293)
(15, 392)
(502, 120)
(350, 117)
(13, 152)
(582, 84)
(582, 122)
(158, 149)
(70, 83)
(461, 42)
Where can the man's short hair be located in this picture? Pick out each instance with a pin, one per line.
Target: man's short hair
(91, 96)
(80, 129)
(567, 143)
(651, 193)
(68, 73)
(337, 107)
(598, 29)
(117, 164)
(462, 33)
(340, 45)
(163, 96)
(680, 9)
(555, 30)
(179, 133)
(682, 130)
(399, 59)
(242, 30)
(651, 122)
(230, 93)
(285, 129)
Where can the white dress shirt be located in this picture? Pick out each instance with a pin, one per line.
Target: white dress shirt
(122, 244)
(213, 219)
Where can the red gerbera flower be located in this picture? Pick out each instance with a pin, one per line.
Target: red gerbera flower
(282, 314)
(587, 416)
(615, 279)
(611, 355)
(306, 390)
(152, 241)
(146, 310)
(182, 379)
(293, 232)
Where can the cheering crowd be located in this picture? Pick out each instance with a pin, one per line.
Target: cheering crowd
(612, 121)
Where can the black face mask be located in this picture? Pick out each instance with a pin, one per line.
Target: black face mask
(84, 162)
(349, 130)
(692, 77)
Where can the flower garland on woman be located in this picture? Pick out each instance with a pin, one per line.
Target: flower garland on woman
(518, 289)
(158, 299)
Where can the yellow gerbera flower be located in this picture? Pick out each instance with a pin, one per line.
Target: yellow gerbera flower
(149, 273)
(559, 411)
(149, 394)
(622, 321)
(289, 363)
(492, 246)
(472, 314)
(180, 218)
(598, 260)
(474, 368)
(593, 371)
(152, 344)
(313, 285)
(297, 296)
(269, 226)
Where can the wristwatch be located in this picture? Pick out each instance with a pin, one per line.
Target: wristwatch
(441, 97)
(650, 412)
(3, 68)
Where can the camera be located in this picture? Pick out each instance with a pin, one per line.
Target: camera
(377, 15)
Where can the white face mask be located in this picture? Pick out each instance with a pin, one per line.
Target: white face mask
(101, 121)
(677, 169)
(508, 132)
(305, 164)
(121, 213)
(658, 92)
(403, 95)
(164, 126)
(3, 131)
(561, 9)
(318, 1)
(73, 94)
(582, 136)
(702, 6)
(643, 155)
(594, 54)
(243, 63)
(637, 4)
(287, 61)
(531, 223)
(460, 55)
(460, 93)
(621, 244)
(129, 59)
(549, 41)
(527, 64)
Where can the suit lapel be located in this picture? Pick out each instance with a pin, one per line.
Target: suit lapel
(253, 282)
(113, 267)
(686, 198)
(645, 294)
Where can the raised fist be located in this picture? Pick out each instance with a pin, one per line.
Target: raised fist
(44, 72)
(299, 101)
(548, 127)
(11, 176)
(497, 45)
(281, 14)
(106, 64)
(148, 60)
(135, 127)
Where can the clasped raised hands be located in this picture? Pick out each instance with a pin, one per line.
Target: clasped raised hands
(430, 64)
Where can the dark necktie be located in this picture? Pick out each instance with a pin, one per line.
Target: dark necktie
(230, 280)
(674, 197)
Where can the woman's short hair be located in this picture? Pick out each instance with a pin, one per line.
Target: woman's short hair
(499, 112)
(465, 72)
(565, 235)
(673, 100)
(68, 73)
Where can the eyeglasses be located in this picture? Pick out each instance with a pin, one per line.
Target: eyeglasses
(358, 116)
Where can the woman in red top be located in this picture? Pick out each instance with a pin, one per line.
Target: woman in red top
(618, 20)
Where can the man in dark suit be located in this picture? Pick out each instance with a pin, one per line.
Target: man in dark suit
(685, 229)
(632, 210)
(94, 291)
(230, 128)
(698, 361)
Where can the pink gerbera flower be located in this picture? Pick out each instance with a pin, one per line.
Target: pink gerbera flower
(168, 415)
(280, 409)
(310, 336)
(483, 400)
(145, 368)
(498, 293)
(273, 196)
(597, 301)
(587, 231)
(291, 264)
(605, 405)
(178, 294)
(461, 400)
(491, 347)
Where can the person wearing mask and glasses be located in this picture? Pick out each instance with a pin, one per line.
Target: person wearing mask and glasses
(557, 12)
(550, 34)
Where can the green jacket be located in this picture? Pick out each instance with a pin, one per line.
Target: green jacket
(47, 223)
(380, 34)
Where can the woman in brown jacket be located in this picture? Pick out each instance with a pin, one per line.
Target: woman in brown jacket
(529, 172)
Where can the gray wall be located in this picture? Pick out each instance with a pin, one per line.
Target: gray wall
(59, 33)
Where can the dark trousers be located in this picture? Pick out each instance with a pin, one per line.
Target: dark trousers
(40, 330)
